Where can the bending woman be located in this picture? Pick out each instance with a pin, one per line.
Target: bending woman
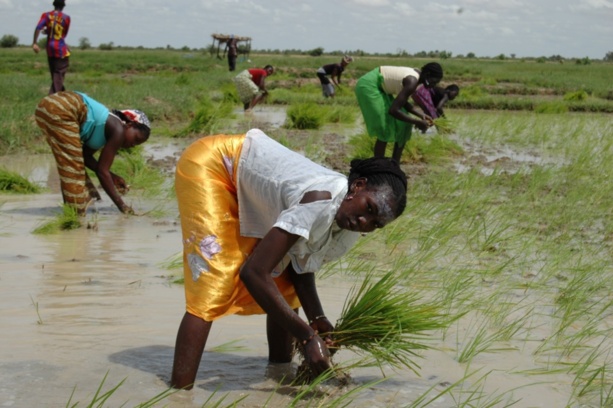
(258, 220)
(334, 71)
(383, 95)
(76, 126)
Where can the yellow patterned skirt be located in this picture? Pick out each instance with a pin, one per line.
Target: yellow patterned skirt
(213, 250)
(59, 116)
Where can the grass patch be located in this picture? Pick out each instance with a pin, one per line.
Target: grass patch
(305, 116)
(208, 117)
(66, 220)
(11, 182)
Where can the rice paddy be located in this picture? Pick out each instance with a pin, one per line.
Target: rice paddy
(507, 230)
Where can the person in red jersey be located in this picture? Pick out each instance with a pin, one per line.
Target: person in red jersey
(55, 24)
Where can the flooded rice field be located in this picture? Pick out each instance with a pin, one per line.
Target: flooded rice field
(94, 304)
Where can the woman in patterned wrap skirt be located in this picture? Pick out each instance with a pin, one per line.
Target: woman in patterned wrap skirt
(76, 126)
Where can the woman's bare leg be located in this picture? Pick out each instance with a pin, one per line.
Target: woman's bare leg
(380, 148)
(191, 339)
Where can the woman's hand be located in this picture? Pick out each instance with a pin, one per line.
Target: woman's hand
(422, 125)
(322, 326)
(317, 355)
(120, 184)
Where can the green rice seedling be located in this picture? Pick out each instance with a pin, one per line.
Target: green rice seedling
(383, 322)
(11, 182)
(68, 219)
(444, 125)
(361, 146)
(341, 114)
(475, 396)
(101, 399)
(173, 262)
(418, 149)
(498, 327)
(207, 117)
(228, 347)
(576, 96)
(551, 107)
(305, 116)
(313, 394)
(433, 150)
(35, 304)
(139, 174)
(230, 95)
(591, 371)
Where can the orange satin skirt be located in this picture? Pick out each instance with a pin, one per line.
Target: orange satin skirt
(213, 250)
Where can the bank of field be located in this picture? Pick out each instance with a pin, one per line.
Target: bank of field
(508, 226)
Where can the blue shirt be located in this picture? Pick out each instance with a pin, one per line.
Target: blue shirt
(92, 130)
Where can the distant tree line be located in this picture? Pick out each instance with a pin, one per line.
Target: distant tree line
(10, 41)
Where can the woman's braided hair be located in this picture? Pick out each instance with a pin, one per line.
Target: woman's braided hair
(433, 70)
(380, 171)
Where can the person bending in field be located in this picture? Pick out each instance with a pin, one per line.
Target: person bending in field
(251, 86)
(383, 95)
(76, 126)
(334, 71)
(258, 220)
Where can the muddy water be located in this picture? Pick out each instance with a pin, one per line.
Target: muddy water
(81, 305)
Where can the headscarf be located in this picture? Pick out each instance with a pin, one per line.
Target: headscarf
(134, 115)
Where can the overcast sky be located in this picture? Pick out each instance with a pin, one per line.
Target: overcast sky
(526, 28)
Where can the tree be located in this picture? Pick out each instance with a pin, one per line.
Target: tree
(84, 43)
(106, 46)
(316, 52)
(609, 56)
(8, 41)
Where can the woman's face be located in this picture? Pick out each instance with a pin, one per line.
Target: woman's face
(133, 136)
(365, 209)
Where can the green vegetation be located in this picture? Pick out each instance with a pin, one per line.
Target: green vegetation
(173, 86)
(68, 219)
(305, 116)
(382, 322)
(11, 182)
(508, 224)
(8, 41)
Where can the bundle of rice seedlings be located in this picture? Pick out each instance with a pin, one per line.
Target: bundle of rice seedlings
(14, 182)
(444, 125)
(305, 116)
(381, 321)
(68, 219)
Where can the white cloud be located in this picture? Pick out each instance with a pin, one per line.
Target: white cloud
(371, 3)
(595, 4)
